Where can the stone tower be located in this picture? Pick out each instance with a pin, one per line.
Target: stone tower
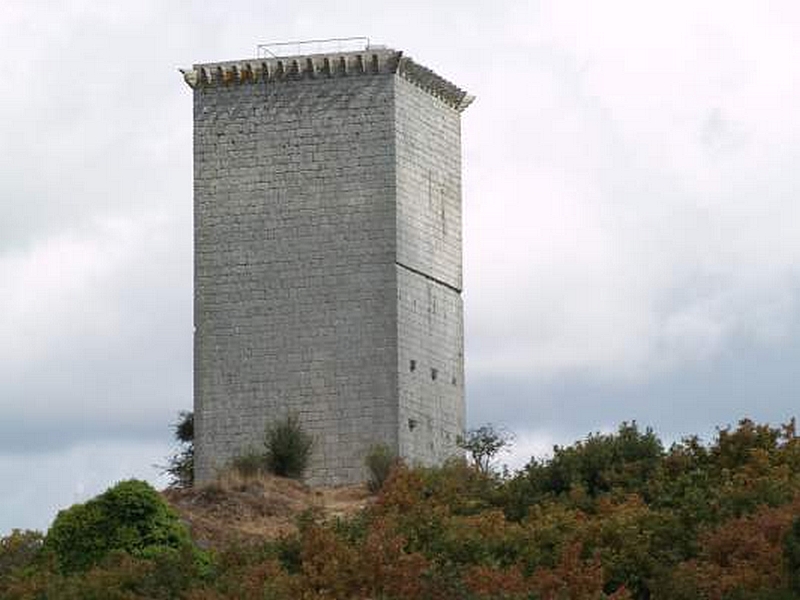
(327, 199)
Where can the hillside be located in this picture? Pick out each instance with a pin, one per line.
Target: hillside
(613, 516)
(237, 509)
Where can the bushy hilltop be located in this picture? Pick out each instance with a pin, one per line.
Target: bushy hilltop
(611, 516)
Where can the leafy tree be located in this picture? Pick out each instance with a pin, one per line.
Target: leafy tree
(622, 462)
(131, 516)
(602, 462)
(741, 558)
(734, 448)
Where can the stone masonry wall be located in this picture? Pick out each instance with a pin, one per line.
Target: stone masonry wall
(429, 277)
(295, 281)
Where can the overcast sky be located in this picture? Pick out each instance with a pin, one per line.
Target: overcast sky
(632, 230)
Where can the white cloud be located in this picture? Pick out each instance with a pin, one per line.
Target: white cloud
(643, 214)
(53, 282)
(527, 445)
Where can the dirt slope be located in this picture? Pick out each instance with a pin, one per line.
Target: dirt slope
(245, 510)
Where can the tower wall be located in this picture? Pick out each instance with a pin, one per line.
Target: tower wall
(430, 314)
(294, 268)
(327, 259)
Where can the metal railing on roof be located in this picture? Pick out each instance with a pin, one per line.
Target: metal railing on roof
(306, 47)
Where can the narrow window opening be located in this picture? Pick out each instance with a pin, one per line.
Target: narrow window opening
(412, 365)
(434, 374)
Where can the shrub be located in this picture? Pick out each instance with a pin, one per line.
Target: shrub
(288, 448)
(458, 485)
(624, 462)
(131, 516)
(19, 550)
(379, 461)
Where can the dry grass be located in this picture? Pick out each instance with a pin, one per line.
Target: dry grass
(246, 509)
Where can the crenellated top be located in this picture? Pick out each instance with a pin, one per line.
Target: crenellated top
(372, 61)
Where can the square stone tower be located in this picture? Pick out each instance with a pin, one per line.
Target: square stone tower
(327, 196)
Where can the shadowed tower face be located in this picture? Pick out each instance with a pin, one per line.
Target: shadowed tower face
(327, 194)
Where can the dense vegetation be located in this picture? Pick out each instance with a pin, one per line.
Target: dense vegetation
(130, 517)
(612, 516)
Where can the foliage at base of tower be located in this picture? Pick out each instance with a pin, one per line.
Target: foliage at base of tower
(612, 516)
(130, 517)
(288, 448)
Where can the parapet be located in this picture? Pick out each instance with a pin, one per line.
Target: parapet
(371, 61)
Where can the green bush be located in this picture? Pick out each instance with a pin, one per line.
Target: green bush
(624, 462)
(131, 516)
(379, 461)
(288, 448)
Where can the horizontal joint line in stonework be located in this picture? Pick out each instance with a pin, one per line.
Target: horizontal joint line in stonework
(428, 277)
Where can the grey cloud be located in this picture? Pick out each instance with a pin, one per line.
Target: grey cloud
(46, 482)
(110, 359)
(631, 227)
(745, 380)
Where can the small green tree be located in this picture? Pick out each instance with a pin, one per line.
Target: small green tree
(131, 516)
(180, 466)
(484, 444)
(288, 448)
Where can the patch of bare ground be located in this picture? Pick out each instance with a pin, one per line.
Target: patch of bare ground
(236, 509)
